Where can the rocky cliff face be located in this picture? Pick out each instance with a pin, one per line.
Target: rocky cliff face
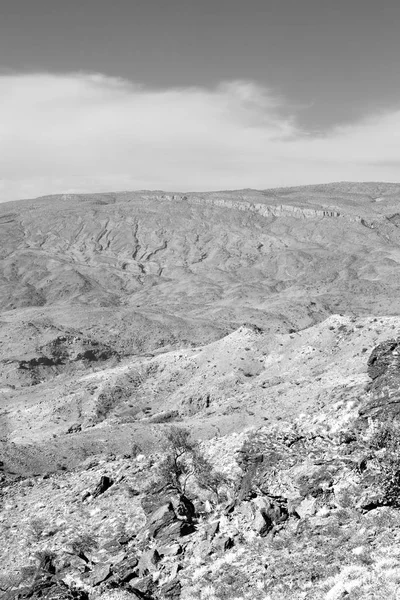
(383, 391)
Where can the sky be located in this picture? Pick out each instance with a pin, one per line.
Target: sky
(182, 95)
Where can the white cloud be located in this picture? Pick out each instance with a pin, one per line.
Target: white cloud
(83, 132)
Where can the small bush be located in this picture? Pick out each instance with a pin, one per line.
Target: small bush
(36, 527)
(184, 463)
(83, 544)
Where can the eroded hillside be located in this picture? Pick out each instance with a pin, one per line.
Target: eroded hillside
(266, 326)
(135, 308)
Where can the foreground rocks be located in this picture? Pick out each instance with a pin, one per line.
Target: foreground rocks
(301, 502)
(384, 390)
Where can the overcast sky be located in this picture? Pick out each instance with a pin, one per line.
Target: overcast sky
(182, 95)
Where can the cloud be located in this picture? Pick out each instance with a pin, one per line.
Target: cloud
(89, 132)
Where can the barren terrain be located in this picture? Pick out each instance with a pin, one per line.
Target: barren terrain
(267, 318)
(133, 308)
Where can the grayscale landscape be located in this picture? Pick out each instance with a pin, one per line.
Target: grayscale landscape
(199, 394)
(199, 300)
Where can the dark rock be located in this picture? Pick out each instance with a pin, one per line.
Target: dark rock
(51, 588)
(126, 570)
(75, 428)
(246, 491)
(144, 587)
(125, 539)
(46, 564)
(161, 518)
(85, 495)
(383, 398)
(212, 530)
(263, 524)
(171, 590)
(224, 543)
(103, 485)
(269, 513)
(174, 531)
(384, 357)
(185, 508)
(229, 508)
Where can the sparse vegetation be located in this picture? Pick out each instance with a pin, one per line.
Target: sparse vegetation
(37, 526)
(384, 441)
(185, 463)
(310, 508)
(83, 544)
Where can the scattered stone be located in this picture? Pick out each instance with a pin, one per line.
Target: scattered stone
(74, 428)
(211, 530)
(160, 519)
(85, 495)
(100, 573)
(148, 562)
(262, 524)
(103, 485)
(171, 590)
(176, 567)
(174, 531)
(143, 587)
(224, 543)
(201, 549)
(126, 570)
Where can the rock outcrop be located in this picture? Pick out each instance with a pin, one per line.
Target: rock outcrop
(383, 392)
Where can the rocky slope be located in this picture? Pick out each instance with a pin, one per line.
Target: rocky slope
(308, 509)
(264, 323)
(109, 301)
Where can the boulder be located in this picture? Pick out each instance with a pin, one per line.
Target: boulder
(212, 530)
(148, 562)
(262, 524)
(383, 399)
(171, 590)
(174, 531)
(143, 587)
(267, 513)
(307, 508)
(151, 502)
(223, 543)
(126, 570)
(51, 588)
(100, 573)
(161, 518)
(202, 549)
(103, 485)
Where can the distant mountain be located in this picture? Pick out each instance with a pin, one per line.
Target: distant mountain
(99, 283)
(264, 327)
